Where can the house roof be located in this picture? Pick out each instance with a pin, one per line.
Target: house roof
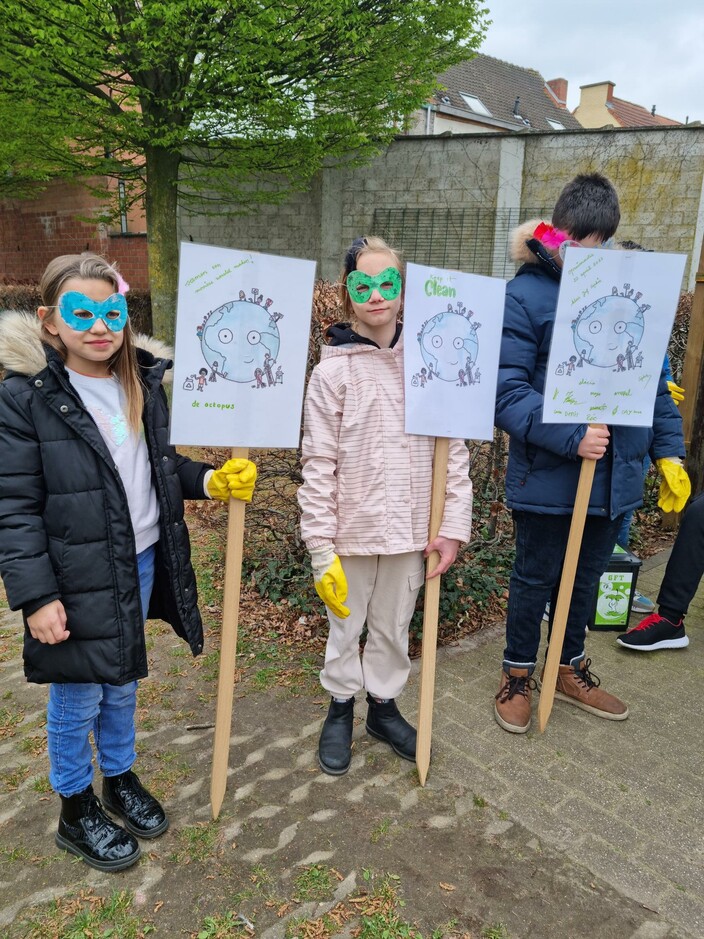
(497, 84)
(633, 115)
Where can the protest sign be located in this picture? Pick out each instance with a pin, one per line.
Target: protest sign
(452, 323)
(242, 328)
(613, 321)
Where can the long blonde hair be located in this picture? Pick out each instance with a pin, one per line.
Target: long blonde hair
(124, 363)
(360, 246)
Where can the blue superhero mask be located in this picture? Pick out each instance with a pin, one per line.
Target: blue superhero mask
(80, 312)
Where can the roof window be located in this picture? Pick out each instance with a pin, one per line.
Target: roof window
(475, 104)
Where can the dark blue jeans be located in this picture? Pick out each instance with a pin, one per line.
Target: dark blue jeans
(541, 541)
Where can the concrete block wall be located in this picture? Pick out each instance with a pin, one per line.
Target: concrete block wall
(658, 173)
(291, 227)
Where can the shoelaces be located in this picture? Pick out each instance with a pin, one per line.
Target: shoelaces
(517, 684)
(586, 677)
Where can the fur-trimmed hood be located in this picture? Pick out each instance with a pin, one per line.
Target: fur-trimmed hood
(22, 349)
(520, 252)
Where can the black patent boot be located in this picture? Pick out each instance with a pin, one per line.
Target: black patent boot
(124, 795)
(335, 744)
(385, 722)
(86, 831)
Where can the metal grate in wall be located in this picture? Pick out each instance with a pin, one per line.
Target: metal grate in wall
(473, 240)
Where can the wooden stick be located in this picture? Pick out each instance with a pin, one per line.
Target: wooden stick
(228, 646)
(564, 596)
(430, 613)
(692, 369)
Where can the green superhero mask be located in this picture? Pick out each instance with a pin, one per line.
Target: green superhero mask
(360, 285)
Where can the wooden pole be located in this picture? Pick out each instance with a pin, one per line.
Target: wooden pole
(228, 646)
(691, 371)
(564, 596)
(692, 408)
(430, 613)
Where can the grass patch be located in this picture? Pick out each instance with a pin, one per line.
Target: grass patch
(9, 720)
(497, 931)
(85, 916)
(221, 927)
(196, 842)
(380, 830)
(155, 693)
(32, 746)
(314, 883)
(13, 779)
(172, 770)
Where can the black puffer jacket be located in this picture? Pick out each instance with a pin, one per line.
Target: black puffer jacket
(65, 529)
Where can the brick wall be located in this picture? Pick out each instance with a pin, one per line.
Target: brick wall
(32, 232)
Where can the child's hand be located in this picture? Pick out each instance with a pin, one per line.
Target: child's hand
(676, 392)
(48, 623)
(593, 444)
(675, 487)
(235, 480)
(329, 579)
(447, 548)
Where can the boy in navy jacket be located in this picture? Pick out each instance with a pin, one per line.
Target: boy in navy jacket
(544, 463)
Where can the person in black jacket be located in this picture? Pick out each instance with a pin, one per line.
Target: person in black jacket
(92, 537)
(544, 465)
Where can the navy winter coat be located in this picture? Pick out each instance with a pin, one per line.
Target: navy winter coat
(543, 467)
(65, 529)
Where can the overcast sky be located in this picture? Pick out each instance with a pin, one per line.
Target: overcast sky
(652, 51)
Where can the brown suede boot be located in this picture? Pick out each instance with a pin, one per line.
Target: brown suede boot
(578, 686)
(512, 708)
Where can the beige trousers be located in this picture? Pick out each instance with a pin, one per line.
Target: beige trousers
(382, 593)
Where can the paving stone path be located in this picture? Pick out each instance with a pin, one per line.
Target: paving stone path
(591, 829)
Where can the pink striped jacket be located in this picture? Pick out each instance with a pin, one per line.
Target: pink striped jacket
(366, 482)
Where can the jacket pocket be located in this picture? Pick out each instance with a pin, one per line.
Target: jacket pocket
(55, 550)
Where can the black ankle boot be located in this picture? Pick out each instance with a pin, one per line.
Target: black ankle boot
(335, 744)
(86, 831)
(384, 721)
(124, 795)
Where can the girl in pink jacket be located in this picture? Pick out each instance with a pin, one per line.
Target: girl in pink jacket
(365, 504)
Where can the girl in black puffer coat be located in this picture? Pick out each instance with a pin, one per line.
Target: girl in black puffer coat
(92, 536)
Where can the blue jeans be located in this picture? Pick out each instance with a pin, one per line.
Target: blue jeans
(541, 541)
(108, 710)
(624, 533)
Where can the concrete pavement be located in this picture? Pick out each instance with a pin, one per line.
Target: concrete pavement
(593, 828)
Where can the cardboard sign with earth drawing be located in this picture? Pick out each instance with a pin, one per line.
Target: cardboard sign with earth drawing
(242, 330)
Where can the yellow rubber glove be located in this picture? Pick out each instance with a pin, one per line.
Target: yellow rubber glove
(675, 487)
(234, 480)
(330, 581)
(676, 392)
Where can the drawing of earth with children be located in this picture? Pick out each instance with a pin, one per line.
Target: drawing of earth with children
(607, 333)
(240, 340)
(449, 346)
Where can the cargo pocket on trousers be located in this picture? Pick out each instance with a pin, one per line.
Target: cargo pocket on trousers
(415, 582)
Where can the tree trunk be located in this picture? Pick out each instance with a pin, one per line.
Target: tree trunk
(162, 169)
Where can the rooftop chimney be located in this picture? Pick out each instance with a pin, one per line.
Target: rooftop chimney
(558, 89)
